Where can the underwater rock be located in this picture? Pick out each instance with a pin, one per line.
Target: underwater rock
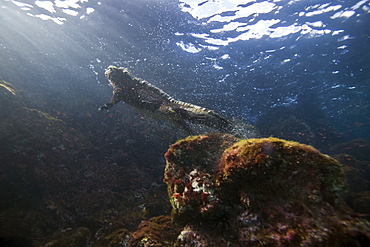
(361, 203)
(357, 172)
(38, 160)
(158, 231)
(304, 122)
(358, 182)
(21, 226)
(355, 157)
(291, 128)
(258, 192)
(9, 99)
(189, 174)
(119, 237)
(71, 237)
(35, 150)
(358, 148)
(54, 178)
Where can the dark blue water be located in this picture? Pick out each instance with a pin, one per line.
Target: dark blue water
(259, 61)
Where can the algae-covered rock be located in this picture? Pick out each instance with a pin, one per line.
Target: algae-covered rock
(71, 237)
(258, 192)
(158, 231)
(358, 148)
(304, 122)
(9, 99)
(191, 166)
(119, 237)
(355, 157)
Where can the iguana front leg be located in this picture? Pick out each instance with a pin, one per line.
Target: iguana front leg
(117, 97)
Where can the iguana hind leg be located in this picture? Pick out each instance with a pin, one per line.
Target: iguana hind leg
(199, 115)
(183, 126)
(213, 120)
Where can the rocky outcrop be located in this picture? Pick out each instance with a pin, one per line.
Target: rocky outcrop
(258, 192)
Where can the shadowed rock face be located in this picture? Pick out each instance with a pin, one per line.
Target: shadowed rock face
(258, 192)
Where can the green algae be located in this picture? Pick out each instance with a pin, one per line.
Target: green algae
(44, 115)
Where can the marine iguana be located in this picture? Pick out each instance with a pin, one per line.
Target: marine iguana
(154, 102)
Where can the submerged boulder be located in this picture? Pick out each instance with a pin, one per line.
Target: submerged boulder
(258, 192)
(158, 231)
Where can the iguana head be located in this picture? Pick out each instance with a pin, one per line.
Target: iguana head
(117, 76)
